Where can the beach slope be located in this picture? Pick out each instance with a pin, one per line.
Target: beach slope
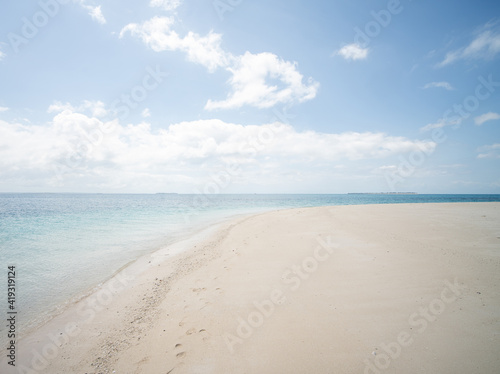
(408, 288)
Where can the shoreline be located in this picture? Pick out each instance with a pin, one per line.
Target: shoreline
(169, 280)
(199, 230)
(82, 309)
(138, 265)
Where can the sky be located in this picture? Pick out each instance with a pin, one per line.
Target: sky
(250, 96)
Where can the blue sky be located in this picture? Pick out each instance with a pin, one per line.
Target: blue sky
(240, 96)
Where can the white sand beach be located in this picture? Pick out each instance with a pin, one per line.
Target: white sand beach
(407, 288)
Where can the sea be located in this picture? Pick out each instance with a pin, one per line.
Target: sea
(64, 245)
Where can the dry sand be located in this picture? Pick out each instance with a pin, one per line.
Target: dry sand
(410, 288)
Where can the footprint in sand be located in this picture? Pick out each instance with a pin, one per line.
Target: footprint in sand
(204, 334)
(207, 303)
(190, 331)
(180, 354)
(198, 290)
(140, 364)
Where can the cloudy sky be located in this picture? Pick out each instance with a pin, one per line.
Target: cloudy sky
(244, 96)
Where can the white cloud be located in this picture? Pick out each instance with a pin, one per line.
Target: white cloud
(146, 113)
(97, 15)
(489, 151)
(94, 108)
(385, 168)
(444, 85)
(59, 107)
(167, 5)
(2, 55)
(250, 72)
(353, 52)
(94, 11)
(250, 86)
(76, 150)
(479, 120)
(157, 33)
(453, 166)
(3, 109)
(443, 122)
(486, 45)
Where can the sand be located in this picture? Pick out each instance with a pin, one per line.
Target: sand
(409, 288)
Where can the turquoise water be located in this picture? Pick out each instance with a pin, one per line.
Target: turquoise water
(64, 244)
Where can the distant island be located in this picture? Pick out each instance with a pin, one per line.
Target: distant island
(382, 193)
